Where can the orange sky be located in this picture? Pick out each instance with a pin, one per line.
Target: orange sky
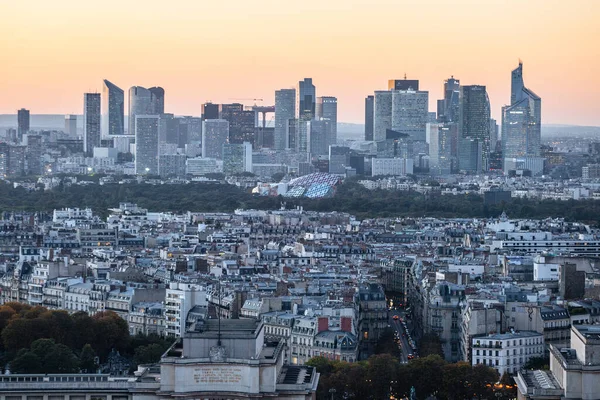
(51, 52)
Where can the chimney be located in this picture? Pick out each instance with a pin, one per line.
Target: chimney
(323, 324)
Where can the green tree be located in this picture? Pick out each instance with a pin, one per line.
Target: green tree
(111, 332)
(61, 360)
(87, 359)
(26, 362)
(149, 354)
(482, 381)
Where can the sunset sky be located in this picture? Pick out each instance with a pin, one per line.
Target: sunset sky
(52, 52)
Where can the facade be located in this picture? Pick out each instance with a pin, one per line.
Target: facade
(23, 121)
(391, 166)
(144, 101)
(382, 114)
(371, 309)
(113, 110)
(172, 165)
(285, 111)
(474, 129)
(71, 125)
(33, 154)
(410, 113)
(180, 298)
(241, 122)
(507, 352)
(320, 132)
(369, 108)
(443, 148)
(91, 122)
(521, 120)
(210, 111)
(305, 100)
(147, 144)
(215, 133)
(237, 158)
(326, 108)
(338, 159)
(449, 107)
(198, 166)
(403, 84)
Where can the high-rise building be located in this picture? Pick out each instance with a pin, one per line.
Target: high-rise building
(474, 128)
(144, 101)
(382, 114)
(147, 134)
(210, 111)
(215, 133)
(285, 110)
(326, 108)
(242, 123)
(172, 165)
(319, 132)
(443, 143)
(113, 110)
(448, 107)
(339, 159)
(33, 154)
(91, 121)
(16, 160)
(23, 122)
(521, 121)
(369, 104)
(237, 158)
(71, 125)
(493, 135)
(410, 113)
(403, 84)
(305, 99)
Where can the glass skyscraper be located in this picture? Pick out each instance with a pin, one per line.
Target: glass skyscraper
(285, 110)
(113, 110)
(91, 122)
(144, 101)
(474, 129)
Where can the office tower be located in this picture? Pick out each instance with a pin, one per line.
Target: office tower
(493, 135)
(91, 122)
(285, 110)
(113, 109)
(147, 132)
(210, 111)
(215, 133)
(369, 104)
(237, 158)
(326, 108)
(33, 154)
(305, 99)
(403, 84)
(448, 107)
(171, 165)
(319, 132)
(242, 123)
(391, 166)
(16, 160)
(443, 148)
(474, 127)
(144, 101)
(410, 113)
(4, 159)
(23, 123)
(71, 125)
(382, 114)
(339, 159)
(521, 121)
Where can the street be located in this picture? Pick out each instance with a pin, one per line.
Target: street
(402, 333)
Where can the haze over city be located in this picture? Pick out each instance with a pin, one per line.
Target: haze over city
(223, 51)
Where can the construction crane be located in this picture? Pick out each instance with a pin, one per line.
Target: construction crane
(246, 99)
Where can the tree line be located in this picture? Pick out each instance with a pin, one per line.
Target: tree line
(38, 340)
(349, 197)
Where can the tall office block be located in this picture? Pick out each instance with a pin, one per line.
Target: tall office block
(319, 132)
(172, 165)
(237, 158)
(144, 101)
(113, 110)
(443, 144)
(147, 132)
(71, 125)
(33, 154)
(448, 107)
(369, 103)
(382, 114)
(403, 84)
(91, 122)
(410, 113)
(210, 111)
(474, 126)
(326, 108)
(521, 121)
(23, 123)
(305, 99)
(16, 160)
(285, 111)
(215, 133)
(493, 135)
(242, 123)
(339, 159)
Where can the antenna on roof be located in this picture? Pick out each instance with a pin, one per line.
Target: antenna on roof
(405, 76)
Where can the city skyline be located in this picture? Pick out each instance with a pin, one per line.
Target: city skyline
(349, 49)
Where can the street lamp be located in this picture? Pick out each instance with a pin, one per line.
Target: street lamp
(332, 392)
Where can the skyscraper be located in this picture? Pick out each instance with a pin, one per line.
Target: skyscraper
(210, 111)
(448, 107)
(144, 101)
(305, 99)
(91, 122)
(285, 110)
(147, 132)
(410, 113)
(319, 132)
(521, 121)
(237, 158)
(215, 133)
(113, 109)
(23, 123)
(242, 123)
(403, 84)
(326, 108)
(474, 128)
(382, 114)
(369, 102)
(71, 125)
